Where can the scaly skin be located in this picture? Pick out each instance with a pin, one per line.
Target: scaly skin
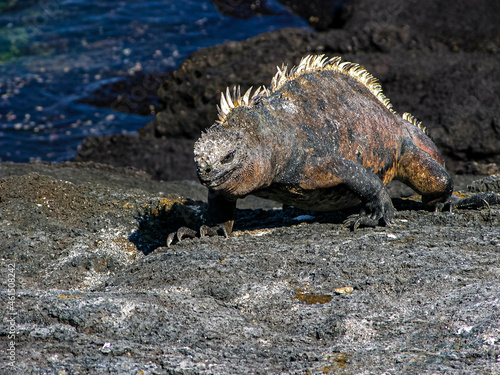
(321, 140)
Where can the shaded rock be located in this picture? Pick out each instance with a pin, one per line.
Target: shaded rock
(136, 93)
(164, 159)
(474, 168)
(423, 291)
(243, 9)
(320, 14)
(190, 97)
(490, 183)
(434, 25)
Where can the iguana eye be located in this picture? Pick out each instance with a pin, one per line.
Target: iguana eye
(228, 158)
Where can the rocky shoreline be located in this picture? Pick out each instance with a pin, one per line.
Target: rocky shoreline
(438, 63)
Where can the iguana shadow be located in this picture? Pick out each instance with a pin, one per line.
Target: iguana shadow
(155, 224)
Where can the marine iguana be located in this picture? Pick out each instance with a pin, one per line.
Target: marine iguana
(323, 137)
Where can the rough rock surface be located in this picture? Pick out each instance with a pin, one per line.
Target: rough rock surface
(163, 158)
(439, 63)
(320, 14)
(93, 290)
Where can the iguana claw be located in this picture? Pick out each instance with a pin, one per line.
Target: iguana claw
(216, 230)
(179, 234)
(204, 231)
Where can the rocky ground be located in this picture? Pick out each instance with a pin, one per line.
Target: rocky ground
(93, 290)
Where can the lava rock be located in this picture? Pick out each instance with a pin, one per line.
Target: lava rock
(438, 62)
(191, 96)
(164, 159)
(93, 290)
(130, 94)
(321, 15)
(243, 9)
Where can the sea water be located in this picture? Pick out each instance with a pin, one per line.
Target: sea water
(54, 53)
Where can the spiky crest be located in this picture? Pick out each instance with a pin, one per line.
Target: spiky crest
(229, 102)
(308, 64)
(411, 119)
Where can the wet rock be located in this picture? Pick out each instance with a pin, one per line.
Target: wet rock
(131, 94)
(243, 9)
(270, 299)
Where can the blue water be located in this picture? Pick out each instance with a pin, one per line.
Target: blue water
(55, 52)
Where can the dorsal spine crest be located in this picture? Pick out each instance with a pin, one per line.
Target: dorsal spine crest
(411, 119)
(230, 101)
(308, 64)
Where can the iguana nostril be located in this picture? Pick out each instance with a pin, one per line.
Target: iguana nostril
(203, 167)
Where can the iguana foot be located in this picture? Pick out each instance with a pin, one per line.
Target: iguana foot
(180, 234)
(481, 200)
(477, 201)
(377, 211)
(216, 230)
(205, 230)
(363, 220)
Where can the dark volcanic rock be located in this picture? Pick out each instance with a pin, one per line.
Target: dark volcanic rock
(436, 61)
(134, 93)
(434, 25)
(191, 95)
(243, 9)
(490, 183)
(164, 159)
(320, 14)
(285, 294)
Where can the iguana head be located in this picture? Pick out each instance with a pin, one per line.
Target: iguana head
(229, 156)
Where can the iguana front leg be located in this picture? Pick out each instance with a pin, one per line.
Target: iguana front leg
(330, 172)
(220, 220)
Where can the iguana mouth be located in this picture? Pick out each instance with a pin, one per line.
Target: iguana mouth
(213, 181)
